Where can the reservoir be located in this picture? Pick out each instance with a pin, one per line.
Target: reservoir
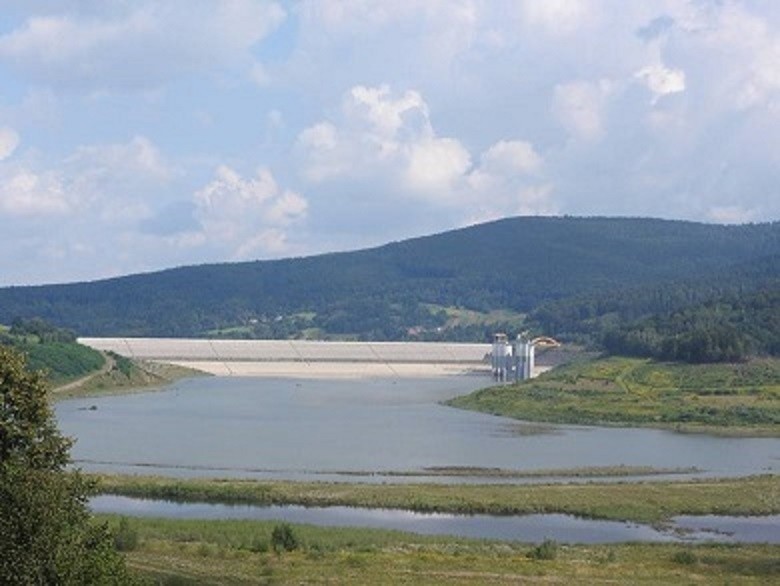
(366, 430)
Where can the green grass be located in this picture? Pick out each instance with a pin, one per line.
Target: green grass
(127, 375)
(62, 361)
(647, 502)
(739, 399)
(172, 551)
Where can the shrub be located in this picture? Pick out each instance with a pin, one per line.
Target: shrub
(283, 538)
(126, 537)
(547, 550)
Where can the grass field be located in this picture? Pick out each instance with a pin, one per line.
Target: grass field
(648, 502)
(241, 552)
(736, 399)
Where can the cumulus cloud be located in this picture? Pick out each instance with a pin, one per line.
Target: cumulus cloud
(137, 45)
(389, 138)
(247, 217)
(401, 118)
(9, 140)
(435, 164)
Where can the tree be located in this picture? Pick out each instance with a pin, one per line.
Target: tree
(47, 535)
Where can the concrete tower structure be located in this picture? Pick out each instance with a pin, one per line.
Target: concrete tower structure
(515, 361)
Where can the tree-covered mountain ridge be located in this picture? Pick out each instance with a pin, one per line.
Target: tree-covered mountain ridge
(393, 291)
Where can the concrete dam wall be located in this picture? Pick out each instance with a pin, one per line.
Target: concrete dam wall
(304, 358)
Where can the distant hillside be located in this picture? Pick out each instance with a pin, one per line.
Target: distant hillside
(725, 315)
(515, 264)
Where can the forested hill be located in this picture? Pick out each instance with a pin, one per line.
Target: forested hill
(380, 293)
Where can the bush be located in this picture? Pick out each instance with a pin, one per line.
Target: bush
(283, 538)
(126, 537)
(547, 550)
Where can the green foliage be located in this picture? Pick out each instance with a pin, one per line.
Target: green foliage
(46, 534)
(283, 538)
(643, 502)
(728, 329)
(52, 350)
(126, 536)
(547, 550)
(62, 361)
(387, 292)
(41, 330)
(122, 364)
(630, 391)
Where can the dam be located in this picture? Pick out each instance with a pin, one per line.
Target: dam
(305, 358)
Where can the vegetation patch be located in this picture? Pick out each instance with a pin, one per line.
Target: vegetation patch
(125, 375)
(174, 551)
(647, 502)
(741, 398)
(51, 350)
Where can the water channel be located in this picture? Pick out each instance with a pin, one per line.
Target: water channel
(527, 528)
(365, 430)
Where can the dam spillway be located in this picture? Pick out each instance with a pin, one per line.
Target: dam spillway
(306, 358)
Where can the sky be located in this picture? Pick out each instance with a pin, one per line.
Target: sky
(137, 135)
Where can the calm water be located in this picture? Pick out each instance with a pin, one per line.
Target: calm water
(563, 528)
(346, 429)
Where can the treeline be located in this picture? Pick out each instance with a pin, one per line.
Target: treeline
(381, 293)
(37, 330)
(726, 315)
(728, 329)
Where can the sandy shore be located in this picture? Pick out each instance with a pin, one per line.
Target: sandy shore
(330, 369)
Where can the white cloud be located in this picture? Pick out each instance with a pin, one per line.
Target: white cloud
(247, 217)
(26, 193)
(558, 17)
(511, 157)
(387, 139)
(580, 107)
(435, 164)
(9, 140)
(139, 157)
(378, 134)
(661, 80)
(137, 45)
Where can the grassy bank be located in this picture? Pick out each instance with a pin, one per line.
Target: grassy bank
(125, 375)
(733, 399)
(240, 552)
(642, 502)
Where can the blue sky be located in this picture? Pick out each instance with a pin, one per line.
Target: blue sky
(143, 134)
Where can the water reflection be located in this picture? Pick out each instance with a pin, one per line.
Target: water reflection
(528, 528)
